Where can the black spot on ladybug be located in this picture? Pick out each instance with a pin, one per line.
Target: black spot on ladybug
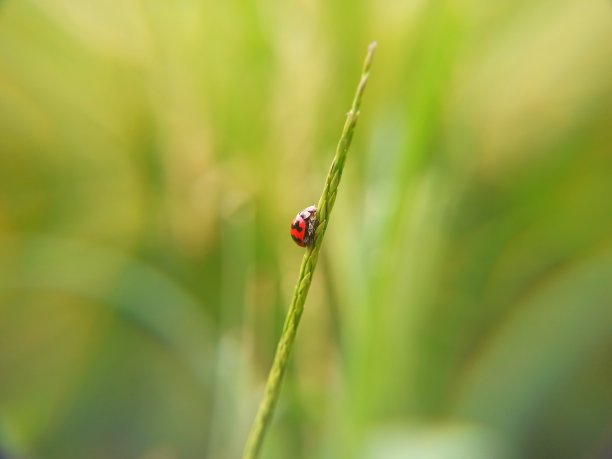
(296, 226)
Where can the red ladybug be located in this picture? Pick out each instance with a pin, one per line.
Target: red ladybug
(303, 226)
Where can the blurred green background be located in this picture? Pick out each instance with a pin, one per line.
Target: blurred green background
(152, 155)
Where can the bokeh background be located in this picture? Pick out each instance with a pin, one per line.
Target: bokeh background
(153, 153)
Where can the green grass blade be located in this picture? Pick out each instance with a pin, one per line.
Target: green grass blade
(309, 262)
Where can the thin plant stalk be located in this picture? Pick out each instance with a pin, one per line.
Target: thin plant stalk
(309, 262)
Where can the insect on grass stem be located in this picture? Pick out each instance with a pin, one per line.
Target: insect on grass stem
(309, 262)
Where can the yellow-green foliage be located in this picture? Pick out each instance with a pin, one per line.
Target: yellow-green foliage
(152, 155)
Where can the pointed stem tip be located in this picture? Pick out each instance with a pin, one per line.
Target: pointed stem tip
(369, 56)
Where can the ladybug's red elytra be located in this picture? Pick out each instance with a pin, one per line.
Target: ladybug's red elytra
(303, 226)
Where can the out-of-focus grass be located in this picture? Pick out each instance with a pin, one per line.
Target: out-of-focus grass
(152, 155)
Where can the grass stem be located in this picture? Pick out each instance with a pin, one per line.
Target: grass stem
(309, 262)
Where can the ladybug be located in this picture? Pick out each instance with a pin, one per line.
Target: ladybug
(303, 226)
